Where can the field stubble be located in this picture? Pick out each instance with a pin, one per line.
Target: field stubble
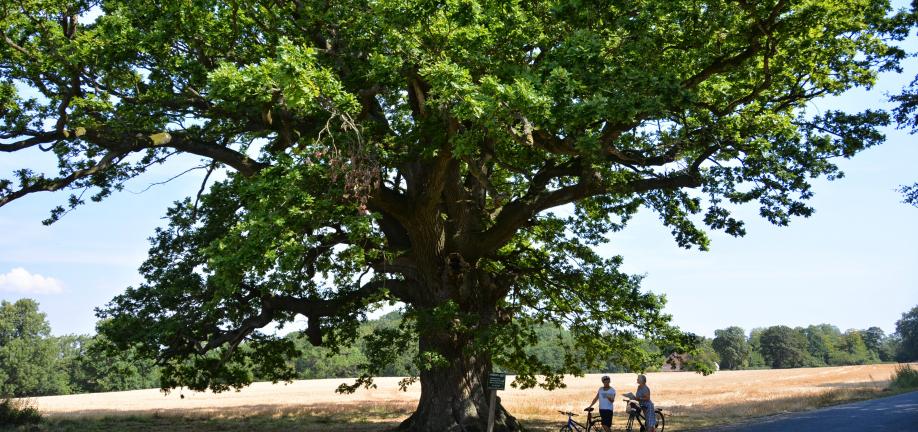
(690, 401)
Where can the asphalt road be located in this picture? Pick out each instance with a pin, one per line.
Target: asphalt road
(894, 413)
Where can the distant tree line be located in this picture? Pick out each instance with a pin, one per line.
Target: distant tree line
(35, 363)
(816, 345)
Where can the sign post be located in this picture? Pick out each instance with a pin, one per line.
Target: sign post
(496, 381)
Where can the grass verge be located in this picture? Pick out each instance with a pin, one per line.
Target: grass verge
(193, 423)
(17, 412)
(905, 378)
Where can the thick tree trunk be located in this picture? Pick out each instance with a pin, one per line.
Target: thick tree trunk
(456, 304)
(454, 396)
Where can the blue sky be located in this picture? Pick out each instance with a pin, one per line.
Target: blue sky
(853, 264)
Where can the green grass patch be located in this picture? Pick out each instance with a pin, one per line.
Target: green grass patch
(17, 412)
(196, 423)
(904, 378)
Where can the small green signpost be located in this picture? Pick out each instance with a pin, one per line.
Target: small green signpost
(496, 381)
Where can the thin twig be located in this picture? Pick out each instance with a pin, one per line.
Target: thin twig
(150, 186)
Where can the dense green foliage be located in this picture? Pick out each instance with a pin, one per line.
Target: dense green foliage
(732, 348)
(906, 113)
(782, 347)
(34, 363)
(907, 329)
(82, 364)
(417, 151)
(811, 346)
(703, 358)
(351, 360)
(91, 367)
(31, 364)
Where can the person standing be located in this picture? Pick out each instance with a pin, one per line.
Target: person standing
(605, 395)
(643, 396)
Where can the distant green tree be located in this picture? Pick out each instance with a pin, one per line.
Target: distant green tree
(391, 343)
(92, 367)
(704, 358)
(318, 362)
(907, 329)
(71, 351)
(851, 350)
(756, 359)
(732, 347)
(889, 348)
(873, 339)
(550, 346)
(29, 360)
(350, 360)
(784, 347)
(822, 342)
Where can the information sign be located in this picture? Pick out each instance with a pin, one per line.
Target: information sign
(497, 381)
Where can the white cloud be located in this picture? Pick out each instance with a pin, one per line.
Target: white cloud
(19, 280)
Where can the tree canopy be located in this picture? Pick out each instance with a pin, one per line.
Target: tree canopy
(783, 347)
(906, 113)
(463, 157)
(29, 357)
(907, 329)
(732, 347)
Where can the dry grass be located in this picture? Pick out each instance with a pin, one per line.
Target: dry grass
(693, 401)
(689, 400)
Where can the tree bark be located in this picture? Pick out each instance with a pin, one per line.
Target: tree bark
(460, 300)
(454, 395)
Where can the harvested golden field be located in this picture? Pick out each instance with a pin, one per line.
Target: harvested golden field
(689, 401)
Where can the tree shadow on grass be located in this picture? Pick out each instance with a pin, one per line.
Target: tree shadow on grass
(540, 425)
(368, 416)
(877, 384)
(358, 417)
(698, 418)
(263, 418)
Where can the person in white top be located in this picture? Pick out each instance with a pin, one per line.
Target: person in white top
(605, 395)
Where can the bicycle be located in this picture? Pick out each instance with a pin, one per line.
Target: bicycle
(592, 423)
(636, 414)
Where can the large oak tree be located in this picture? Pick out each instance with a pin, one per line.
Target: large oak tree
(463, 157)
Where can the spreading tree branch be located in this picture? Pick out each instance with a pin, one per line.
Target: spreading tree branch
(314, 309)
(121, 145)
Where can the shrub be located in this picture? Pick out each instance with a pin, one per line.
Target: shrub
(904, 378)
(17, 412)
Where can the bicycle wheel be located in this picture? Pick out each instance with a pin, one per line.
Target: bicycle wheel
(661, 421)
(565, 428)
(596, 425)
(630, 424)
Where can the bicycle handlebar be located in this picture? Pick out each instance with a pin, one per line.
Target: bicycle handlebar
(568, 413)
